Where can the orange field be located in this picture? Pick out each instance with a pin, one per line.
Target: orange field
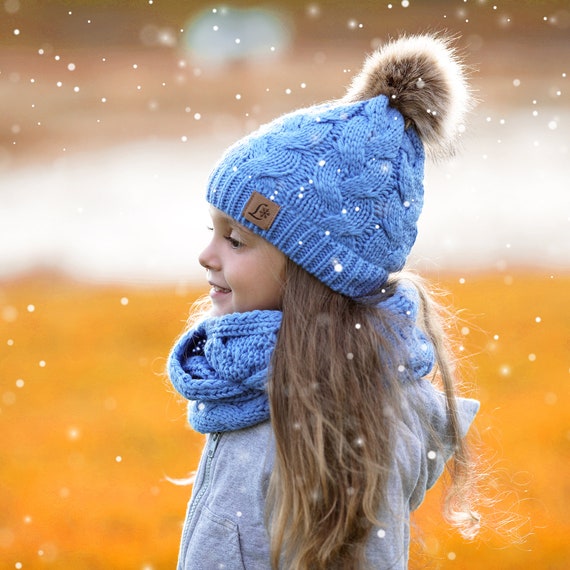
(91, 429)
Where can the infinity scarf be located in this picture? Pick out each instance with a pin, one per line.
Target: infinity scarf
(221, 365)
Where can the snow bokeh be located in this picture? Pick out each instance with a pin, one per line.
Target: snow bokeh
(136, 212)
(118, 145)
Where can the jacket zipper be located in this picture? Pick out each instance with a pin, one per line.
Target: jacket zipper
(212, 445)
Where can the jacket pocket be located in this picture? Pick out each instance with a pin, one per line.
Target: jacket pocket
(213, 544)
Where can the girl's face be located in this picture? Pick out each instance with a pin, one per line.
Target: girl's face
(245, 272)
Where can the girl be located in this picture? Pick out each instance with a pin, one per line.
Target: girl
(314, 372)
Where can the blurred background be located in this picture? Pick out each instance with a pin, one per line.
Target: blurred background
(113, 114)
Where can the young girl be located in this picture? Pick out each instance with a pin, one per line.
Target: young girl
(314, 374)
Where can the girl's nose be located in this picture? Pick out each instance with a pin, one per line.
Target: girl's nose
(208, 258)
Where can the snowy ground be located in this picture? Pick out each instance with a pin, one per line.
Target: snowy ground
(136, 212)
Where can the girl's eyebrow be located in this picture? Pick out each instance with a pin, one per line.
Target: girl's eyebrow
(234, 224)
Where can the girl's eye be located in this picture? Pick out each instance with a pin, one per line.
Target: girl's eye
(234, 243)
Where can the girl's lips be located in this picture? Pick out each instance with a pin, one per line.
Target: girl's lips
(216, 289)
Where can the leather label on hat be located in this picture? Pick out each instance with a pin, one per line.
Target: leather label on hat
(260, 211)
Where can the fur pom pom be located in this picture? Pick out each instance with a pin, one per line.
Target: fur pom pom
(425, 80)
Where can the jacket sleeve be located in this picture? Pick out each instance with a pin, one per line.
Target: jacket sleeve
(423, 446)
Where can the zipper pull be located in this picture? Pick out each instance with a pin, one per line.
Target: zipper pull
(215, 438)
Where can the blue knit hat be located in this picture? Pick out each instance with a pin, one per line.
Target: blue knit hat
(338, 187)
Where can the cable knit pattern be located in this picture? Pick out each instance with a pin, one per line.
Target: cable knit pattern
(221, 367)
(348, 178)
(222, 364)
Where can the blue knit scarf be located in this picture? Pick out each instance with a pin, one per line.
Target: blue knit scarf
(221, 365)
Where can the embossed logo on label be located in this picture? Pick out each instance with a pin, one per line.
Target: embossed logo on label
(260, 211)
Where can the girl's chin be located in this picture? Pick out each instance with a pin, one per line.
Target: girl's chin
(221, 301)
(221, 306)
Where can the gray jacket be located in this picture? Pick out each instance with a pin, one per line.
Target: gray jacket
(224, 526)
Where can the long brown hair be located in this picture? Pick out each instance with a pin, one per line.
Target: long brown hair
(335, 400)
